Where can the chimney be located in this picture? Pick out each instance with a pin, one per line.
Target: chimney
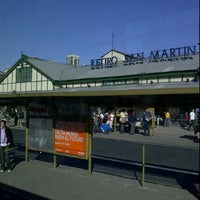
(73, 60)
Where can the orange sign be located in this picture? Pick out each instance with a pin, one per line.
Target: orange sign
(70, 138)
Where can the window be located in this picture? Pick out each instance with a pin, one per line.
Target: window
(24, 75)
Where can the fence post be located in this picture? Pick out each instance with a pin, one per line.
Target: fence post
(89, 154)
(26, 154)
(143, 164)
(54, 155)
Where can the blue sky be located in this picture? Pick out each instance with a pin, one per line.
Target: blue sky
(52, 29)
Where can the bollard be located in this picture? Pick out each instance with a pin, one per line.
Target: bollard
(54, 160)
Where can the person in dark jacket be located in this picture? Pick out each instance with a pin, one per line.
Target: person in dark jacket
(132, 118)
(147, 117)
(6, 141)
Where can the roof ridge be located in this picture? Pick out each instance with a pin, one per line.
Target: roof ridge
(33, 57)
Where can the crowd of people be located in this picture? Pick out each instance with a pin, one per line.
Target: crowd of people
(124, 121)
(129, 121)
(13, 116)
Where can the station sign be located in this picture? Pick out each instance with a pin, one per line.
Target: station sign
(138, 58)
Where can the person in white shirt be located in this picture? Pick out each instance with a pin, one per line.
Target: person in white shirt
(6, 141)
(192, 119)
(122, 121)
(110, 119)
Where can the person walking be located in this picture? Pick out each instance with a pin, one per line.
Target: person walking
(147, 117)
(186, 120)
(6, 141)
(132, 118)
(20, 118)
(167, 119)
(192, 119)
(122, 121)
(110, 119)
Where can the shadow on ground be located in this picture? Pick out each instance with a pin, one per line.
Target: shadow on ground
(9, 192)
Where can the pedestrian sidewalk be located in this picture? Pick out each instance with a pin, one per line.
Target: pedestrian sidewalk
(168, 136)
(42, 179)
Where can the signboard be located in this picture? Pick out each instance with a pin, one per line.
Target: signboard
(40, 134)
(70, 138)
(171, 54)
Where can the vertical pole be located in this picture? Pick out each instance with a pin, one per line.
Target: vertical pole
(54, 155)
(143, 164)
(89, 141)
(153, 120)
(54, 160)
(115, 122)
(152, 127)
(112, 43)
(26, 153)
(89, 154)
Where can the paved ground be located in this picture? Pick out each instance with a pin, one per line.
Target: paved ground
(64, 182)
(172, 136)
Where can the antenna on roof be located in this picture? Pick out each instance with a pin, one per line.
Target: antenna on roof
(112, 40)
(112, 43)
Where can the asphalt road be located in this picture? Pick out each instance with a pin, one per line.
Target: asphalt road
(173, 157)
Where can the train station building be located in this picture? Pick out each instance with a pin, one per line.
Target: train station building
(163, 79)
